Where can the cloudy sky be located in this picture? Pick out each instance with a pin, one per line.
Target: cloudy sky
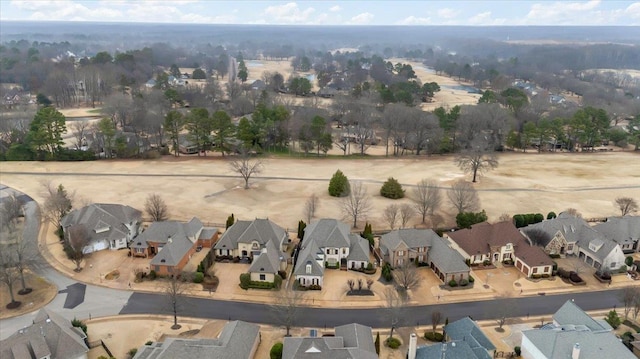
(540, 12)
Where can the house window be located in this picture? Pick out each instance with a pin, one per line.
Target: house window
(156, 268)
(344, 251)
(263, 277)
(508, 246)
(308, 269)
(570, 247)
(535, 270)
(400, 253)
(328, 251)
(170, 269)
(612, 265)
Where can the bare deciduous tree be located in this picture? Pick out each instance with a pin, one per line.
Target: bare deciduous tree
(57, 203)
(505, 217)
(156, 208)
(427, 197)
(356, 205)
(246, 167)
(406, 276)
(174, 289)
(394, 303)
(463, 197)
(10, 211)
(629, 296)
(23, 256)
(436, 319)
(573, 212)
(390, 215)
(79, 129)
(8, 273)
(77, 238)
(286, 307)
(406, 213)
(310, 207)
(479, 157)
(626, 205)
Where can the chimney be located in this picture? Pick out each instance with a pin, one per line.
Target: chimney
(575, 354)
(413, 344)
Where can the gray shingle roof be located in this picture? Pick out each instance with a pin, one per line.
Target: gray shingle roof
(172, 252)
(260, 230)
(268, 261)
(412, 238)
(558, 344)
(625, 230)
(327, 233)
(351, 341)
(236, 341)
(60, 339)
(571, 314)
(103, 215)
(309, 255)
(456, 349)
(445, 258)
(359, 249)
(467, 330)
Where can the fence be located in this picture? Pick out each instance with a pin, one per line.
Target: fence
(97, 343)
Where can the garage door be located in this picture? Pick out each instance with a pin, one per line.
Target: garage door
(98, 246)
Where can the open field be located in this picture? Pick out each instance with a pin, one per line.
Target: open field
(207, 188)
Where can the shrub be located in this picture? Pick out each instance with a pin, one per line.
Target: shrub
(393, 343)
(301, 227)
(613, 319)
(377, 343)
(339, 185)
(575, 277)
(277, 281)
(152, 275)
(245, 280)
(519, 220)
(463, 282)
(486, 262)
(453, 283)
(369, 266)
(149, 342)
(276, 351)
(517, 350)
(79, 324)
(230, 221)
(132, 352)
(467, 219)
(198, 277)
(386, 272)
(628, 261)
(471, 279)
(282, 274)
(603, 274)
(536, 276)
(551, 215)
(563, 273)
(433, 336)
(546, 275)
(392, 189)
(538, 217)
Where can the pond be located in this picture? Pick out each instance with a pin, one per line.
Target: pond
(253, 63)
(469, 89)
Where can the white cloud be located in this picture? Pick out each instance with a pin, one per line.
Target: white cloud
(633, 11)
(361, 19)
(564, 13)
(413, 20)
(335, 8)
(485, 19)
(448, 13)
(288, 13)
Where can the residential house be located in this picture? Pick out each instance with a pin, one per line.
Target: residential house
(171, 244)
(351, 341)
(573, 334)
(258, 85)
(110, 226)
(426, 247)
(261, 241)
(465, 340)
(623, 230)
(246, 239)
(500, 242)
(150, 84)
(329, 242)
(50, 336)
(567, 234)
(238, 340)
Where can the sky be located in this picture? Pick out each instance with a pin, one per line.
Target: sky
(381, 12)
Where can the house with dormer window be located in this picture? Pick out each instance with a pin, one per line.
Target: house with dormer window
(329, 243)
(108, 226)
(567, 234)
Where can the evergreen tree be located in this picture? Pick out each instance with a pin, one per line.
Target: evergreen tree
(339, 185)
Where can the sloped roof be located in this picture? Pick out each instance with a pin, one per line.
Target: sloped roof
(351, 341)
(236, 341)
(571, 314)
(178, 239)
(467, 330)
(49, 333)
(103, 215)
(570, 227)
(623, 230)
(533, 256)
(260, 230)
(359, 249)
(309, 255)
(480, 237)
(268, 261)
(412, 238)
(558, 344)
(445, 258)
(172, 252)
(455, 349)
(327, 232)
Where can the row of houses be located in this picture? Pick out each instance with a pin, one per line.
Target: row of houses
(329, 243)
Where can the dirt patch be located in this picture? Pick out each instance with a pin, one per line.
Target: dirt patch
(43, 292)
(112, 275)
